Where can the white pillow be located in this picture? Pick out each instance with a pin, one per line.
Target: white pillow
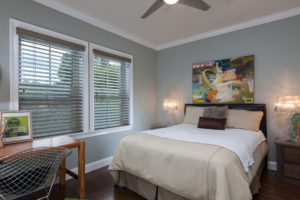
(192, 114)
(244, 119)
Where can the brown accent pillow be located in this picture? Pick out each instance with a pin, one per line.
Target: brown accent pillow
(211, 123)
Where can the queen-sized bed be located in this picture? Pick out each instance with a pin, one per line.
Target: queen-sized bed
(185, 162)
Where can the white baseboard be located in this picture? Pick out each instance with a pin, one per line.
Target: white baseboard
(106, 161)
(272, 165)
(93, 166)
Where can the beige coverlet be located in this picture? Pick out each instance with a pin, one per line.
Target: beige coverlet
(192, 170)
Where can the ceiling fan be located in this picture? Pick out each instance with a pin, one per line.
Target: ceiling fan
(199, 4)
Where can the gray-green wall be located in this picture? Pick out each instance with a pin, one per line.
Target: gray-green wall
(276, 47)
(144, 74)
(168, 73)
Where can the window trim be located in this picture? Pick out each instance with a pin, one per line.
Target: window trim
(88, 100)
(91, 79)
(14, 66)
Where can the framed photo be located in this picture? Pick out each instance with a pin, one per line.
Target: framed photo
(18, 127)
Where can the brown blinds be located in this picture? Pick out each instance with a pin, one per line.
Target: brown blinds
(110, 55)
(40, 36)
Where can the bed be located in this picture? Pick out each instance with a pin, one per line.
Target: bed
(182, 162)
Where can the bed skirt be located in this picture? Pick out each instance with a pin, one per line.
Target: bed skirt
(153, 192)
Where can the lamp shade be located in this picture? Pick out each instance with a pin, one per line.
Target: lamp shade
(170, 104)
(287, 103)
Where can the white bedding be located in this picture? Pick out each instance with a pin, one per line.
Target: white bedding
(242, 142)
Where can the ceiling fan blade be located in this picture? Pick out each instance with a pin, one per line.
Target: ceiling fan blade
(196, 4)
(153, 8)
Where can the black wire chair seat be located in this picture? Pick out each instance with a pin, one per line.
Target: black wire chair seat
(30, 170)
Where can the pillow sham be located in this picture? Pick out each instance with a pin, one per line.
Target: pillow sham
(244, 119)
(211, 123)
(216, 112)
(192, 114)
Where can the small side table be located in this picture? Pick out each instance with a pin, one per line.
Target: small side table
(288, 161)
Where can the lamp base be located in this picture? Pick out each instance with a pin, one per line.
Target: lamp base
(292, 131)
(297, 139)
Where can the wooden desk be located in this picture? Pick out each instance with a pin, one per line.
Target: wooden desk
(59, 141)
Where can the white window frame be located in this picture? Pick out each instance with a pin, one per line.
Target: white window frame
(115, 129)
(14, 65)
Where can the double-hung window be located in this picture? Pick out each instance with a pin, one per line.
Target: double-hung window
(111, 89)
(50, 83)
(52, 76)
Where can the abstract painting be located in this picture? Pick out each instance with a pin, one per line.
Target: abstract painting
(224, 81)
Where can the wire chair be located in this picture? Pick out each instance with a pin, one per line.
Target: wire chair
(30, 170)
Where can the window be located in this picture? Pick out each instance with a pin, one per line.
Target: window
(51, 76)
(50, 83)
(111, 89)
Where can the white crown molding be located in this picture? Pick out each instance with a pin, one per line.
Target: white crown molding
(96, 22)
(103, 25)
(236, 27)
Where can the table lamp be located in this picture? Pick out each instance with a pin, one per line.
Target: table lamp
(171, 105)
(290, 105)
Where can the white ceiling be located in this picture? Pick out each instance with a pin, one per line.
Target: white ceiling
(176, 24)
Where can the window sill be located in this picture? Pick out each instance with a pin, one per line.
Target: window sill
(101, 132)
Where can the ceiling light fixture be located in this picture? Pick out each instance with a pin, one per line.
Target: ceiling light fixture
(199, 4)
(171, 1)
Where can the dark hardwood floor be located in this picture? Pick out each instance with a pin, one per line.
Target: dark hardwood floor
(100, 186)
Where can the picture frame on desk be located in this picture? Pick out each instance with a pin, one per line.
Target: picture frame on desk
(18, 126)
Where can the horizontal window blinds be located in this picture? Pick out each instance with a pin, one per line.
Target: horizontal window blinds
(111, 91)
(51, 84)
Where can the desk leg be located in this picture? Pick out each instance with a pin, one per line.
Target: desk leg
(81, 170)
(62, 177)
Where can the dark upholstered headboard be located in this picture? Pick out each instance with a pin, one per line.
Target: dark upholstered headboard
(250, 107)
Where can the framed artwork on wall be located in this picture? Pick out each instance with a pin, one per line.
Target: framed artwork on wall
(224, 81)
(18, 126)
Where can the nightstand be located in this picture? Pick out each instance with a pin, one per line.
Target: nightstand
(288, 161)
